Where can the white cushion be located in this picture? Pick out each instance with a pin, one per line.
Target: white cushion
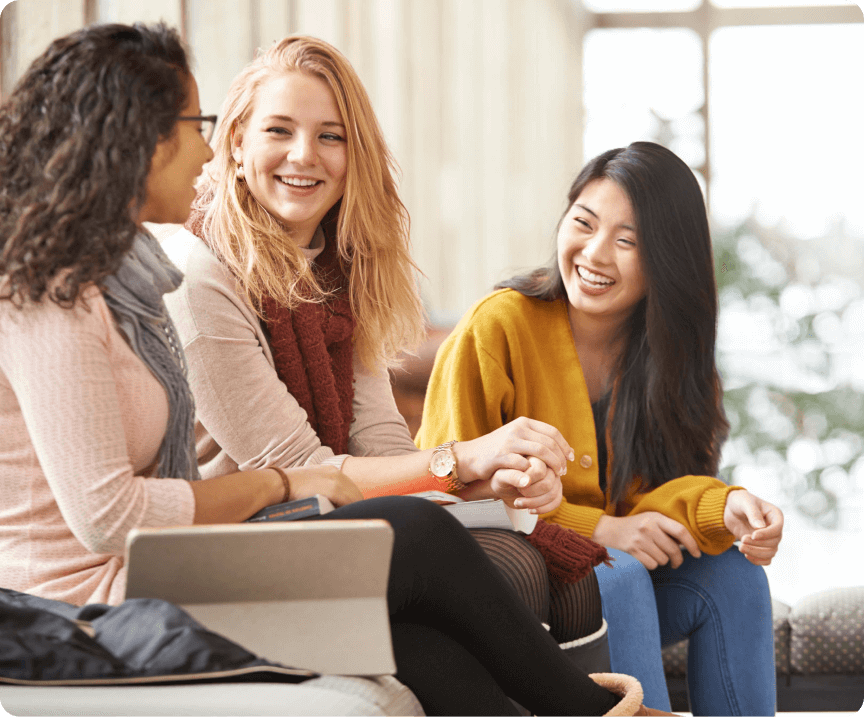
(328, 695)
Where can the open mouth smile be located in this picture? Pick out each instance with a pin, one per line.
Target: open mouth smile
(590, 280)
(298, 182)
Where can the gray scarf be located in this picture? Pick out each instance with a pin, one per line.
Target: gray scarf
(134, 295)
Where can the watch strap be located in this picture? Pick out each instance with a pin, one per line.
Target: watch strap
(454, 485)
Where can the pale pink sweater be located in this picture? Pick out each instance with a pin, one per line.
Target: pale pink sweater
(81, 422)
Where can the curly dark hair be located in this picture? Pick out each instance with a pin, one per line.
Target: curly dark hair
(77, 135)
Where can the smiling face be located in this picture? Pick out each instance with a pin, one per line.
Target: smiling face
(598, 253)
(176, 163)
(293, 151)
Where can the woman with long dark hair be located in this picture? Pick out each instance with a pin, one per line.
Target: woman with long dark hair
(102, 134)
(613, 342)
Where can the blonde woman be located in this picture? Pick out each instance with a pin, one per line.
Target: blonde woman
(300, 291)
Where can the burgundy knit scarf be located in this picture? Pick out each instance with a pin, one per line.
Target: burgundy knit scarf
(569, 556)
(312, 346)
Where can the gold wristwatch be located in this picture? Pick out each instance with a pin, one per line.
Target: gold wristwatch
(443, 467)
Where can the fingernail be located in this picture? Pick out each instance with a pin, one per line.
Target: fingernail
(517, 503)
(533, 511)
(562, 471)
(571, 456)
(525, 481)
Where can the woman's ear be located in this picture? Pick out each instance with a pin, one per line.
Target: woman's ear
(237, 145)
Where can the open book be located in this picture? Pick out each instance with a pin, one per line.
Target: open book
(489, 513)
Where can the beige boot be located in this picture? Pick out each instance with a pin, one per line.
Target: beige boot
(630, 692)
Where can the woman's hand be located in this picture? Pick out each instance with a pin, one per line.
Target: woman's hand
(329, 481)
(652, 538)
(510, 447)
(537, 489)
(235, 497)
(756, 523)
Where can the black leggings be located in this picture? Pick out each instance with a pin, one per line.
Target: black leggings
(463, 640)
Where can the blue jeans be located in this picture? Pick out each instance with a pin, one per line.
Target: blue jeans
(721, 603)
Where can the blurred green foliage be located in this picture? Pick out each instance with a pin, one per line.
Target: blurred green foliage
(803, 443)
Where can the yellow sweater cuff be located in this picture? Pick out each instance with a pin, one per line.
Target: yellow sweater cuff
(578, 517)
(709, 515)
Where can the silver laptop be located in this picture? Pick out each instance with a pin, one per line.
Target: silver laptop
(310, 595)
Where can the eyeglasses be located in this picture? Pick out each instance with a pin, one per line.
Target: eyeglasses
(208, 124)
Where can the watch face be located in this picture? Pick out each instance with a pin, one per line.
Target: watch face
(442, 464)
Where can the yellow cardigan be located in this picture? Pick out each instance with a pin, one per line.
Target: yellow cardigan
(513, 356)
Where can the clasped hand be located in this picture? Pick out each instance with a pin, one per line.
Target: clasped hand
(522, 463)
(651, 537)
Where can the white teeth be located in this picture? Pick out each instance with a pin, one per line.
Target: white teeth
(296, 182)
(593, 278)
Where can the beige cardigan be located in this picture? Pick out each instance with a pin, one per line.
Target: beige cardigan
(245, 417)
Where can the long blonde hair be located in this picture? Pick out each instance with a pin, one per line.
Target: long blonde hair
(372, 231)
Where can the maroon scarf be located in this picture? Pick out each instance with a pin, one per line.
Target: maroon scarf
(569, 556)
(313, 347)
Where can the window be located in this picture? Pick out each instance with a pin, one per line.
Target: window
(762, 100)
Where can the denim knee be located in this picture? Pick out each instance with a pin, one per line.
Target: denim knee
(729, 573)
(712, 586)
(626, 571)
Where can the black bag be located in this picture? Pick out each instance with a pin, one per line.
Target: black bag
(141, 641)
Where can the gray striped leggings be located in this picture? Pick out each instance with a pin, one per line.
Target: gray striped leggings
(571, 611)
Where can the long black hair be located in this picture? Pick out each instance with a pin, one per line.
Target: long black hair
(665, 413)
(77, 135)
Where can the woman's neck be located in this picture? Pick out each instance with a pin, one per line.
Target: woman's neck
(599, 342)
(315, 245)
(597, 335)
(303, 238)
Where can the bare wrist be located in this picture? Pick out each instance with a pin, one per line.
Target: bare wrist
(600, 528)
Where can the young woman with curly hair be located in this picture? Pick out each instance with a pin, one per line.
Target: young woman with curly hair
(613, 342)
(103, 134)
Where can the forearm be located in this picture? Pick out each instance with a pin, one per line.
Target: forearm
(697, 502)
(392, 475)
(234, 498)
(409, 473)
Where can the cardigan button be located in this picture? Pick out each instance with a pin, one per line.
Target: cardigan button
(585, 461)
